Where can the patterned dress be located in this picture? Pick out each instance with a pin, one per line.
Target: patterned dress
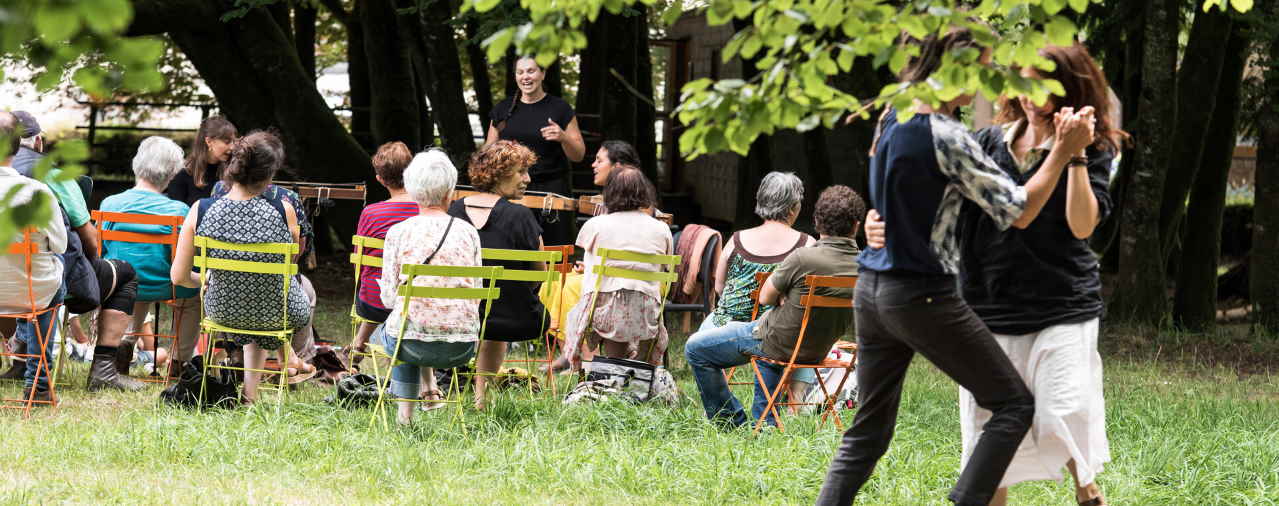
(736, 305)
(247, 300)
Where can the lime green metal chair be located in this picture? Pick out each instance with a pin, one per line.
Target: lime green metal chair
(286, 268)
(664, 277)
(407, 292)
(359, 260)
(548, 275)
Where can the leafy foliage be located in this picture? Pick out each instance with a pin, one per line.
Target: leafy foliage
(59, 35)
(798, 46)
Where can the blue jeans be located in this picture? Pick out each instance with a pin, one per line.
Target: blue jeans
(710, 351)
(25, 332)
(413, 355)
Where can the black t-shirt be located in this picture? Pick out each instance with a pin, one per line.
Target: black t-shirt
(518, 314)
(525, 127)
(1024, 281)
(183, 188)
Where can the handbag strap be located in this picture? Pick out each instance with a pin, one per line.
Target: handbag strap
(442, 238)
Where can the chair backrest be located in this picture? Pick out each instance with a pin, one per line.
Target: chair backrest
(488, 293)
(549, 258)
(760, 278)
(664, 276)
(812, 300)
(27, 248)
(285, 268)
(565, 264)
(170, 239)
(359, 258)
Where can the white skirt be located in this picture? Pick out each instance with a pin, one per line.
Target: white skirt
(1061, 366)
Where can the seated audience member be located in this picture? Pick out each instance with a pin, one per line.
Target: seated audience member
(500, 172)
(46, 264)
(627, 319)
(773, 335)
(158, 159)
(91, 282)
(388, 164)
(758, 249)
(245, 300)
(203, 166)
(610, 155)
(433, 333)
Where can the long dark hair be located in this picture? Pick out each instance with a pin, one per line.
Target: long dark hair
(931, 50)
(519, 94)
(215, 127)
(1085, 85)
(621, 153)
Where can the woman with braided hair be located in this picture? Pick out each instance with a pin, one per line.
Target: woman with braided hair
(547, 125)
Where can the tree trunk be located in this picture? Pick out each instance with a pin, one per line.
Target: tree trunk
(479, 75)
(1195, 305)
(646, 111)
(304, 17)
(1129, 60)
(448, 106)
(1264, 277)
(1140, 292)
(357, 72)
(553, 83)
(395, 115)
(1199, 77)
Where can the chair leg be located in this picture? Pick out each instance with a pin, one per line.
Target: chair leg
(208, 362)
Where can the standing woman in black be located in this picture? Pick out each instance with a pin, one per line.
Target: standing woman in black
(547, 125)
(210, 149)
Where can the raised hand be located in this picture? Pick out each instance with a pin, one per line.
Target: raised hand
(552, 131)
(1074, 129)
(875, 230)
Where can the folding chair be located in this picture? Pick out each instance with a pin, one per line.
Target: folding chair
(359, 260)
(664, 277)
(27, 248)
(809, 301)
(408, 291)
(170, 239)
(552, 259)
(286, 268)
(760, 278)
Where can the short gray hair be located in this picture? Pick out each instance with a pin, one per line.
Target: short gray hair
(430, 177)
(157, 161)
(778, 194)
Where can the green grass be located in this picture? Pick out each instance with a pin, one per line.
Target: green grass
(1178, 436)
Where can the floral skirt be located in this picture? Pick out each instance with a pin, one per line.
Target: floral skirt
(624, 316)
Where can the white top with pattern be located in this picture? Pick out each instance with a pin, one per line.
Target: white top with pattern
(412, 241)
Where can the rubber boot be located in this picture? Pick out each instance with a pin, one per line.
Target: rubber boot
(103, 374)
(124, 356)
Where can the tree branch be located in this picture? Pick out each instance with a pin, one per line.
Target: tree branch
(339, 13)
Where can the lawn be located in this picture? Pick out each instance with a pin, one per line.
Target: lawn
(1180, 432)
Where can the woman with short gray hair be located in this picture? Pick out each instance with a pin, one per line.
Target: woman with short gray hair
(157, 161)
(432, 333)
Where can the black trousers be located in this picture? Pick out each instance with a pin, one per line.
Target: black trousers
(898, 316)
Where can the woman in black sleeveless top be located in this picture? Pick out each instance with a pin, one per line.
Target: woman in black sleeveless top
(547, 125)
(500, 171)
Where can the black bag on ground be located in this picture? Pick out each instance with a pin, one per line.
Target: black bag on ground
(354, 390)
(221, 391)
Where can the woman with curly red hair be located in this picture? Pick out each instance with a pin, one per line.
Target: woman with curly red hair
(500, 172)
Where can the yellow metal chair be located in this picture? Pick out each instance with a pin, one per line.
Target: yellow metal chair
(359, 260)
(664, 277)
(286, 268)
(407, 292)
(549, 275)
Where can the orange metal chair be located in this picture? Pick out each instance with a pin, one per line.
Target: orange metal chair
(810, 301)
(760, 277)
(171, 240)
(26, 248)
(563, 267)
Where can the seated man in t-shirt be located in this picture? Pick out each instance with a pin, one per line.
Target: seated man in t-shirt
(838, 213)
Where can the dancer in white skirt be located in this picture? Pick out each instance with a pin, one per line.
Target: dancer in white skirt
(1039, 288)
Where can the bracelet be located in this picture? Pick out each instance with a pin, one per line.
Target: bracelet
(1077, 160)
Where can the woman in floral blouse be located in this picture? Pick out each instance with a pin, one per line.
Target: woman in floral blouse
(438, 333)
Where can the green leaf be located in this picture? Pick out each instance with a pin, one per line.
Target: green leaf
(1054, 86)
(106, 16)
(56, 24)
(497, 43)
(1052, 7)
(1079, 5)
(1061, 31)
(485, 5)
(1241, 5)
(898, 61)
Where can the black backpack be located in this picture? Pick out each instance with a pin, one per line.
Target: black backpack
(83, 294)
(221, 391)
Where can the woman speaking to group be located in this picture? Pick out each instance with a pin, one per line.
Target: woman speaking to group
(547, 125)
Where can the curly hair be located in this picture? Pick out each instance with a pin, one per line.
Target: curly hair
(838, 211)
(389, 163)
(492, 163)
(627, 190)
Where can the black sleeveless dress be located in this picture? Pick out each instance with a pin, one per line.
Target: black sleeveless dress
(518, 315)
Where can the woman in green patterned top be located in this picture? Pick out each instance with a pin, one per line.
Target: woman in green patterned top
(758, 249)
